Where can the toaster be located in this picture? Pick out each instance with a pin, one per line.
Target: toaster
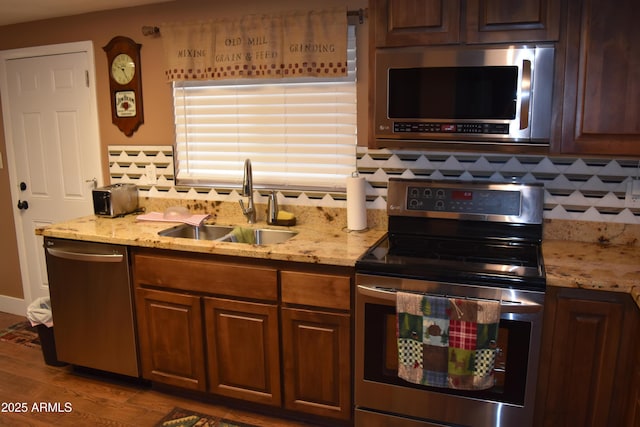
(115, 200)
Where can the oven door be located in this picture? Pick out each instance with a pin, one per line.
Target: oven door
(384, 399)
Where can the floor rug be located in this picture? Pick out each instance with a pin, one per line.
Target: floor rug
(179, 417)
(21, 333)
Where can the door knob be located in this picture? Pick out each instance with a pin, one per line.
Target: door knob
(94, 183)
(23, 205)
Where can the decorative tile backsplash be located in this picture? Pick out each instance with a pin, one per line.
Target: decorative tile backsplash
(588, 189)
(128, 164)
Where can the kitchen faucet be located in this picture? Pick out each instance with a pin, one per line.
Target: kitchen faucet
(247, 191)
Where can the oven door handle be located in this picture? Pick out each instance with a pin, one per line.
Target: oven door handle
(517, 307)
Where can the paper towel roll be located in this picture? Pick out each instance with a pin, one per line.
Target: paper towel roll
(356, 203)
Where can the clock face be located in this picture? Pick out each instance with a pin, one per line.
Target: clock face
(123, 69)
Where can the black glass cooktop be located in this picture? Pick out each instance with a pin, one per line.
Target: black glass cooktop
(499, 262)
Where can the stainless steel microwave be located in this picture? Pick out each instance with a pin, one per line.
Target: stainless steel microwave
(498, 95)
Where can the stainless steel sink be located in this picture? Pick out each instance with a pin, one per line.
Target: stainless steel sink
(261, 236)
(204, 232)
(266, 236)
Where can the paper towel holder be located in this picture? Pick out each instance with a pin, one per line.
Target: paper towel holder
(356, 202)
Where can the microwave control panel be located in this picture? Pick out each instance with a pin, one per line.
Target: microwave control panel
(464, 128)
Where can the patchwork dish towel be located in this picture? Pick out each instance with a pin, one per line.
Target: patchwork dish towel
(447, 342)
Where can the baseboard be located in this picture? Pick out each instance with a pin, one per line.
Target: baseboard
(13, 305)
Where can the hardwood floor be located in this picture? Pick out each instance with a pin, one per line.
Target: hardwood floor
(93, 401)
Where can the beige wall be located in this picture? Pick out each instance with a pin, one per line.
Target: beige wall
(158, 121)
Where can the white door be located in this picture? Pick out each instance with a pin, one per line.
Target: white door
(52, 143)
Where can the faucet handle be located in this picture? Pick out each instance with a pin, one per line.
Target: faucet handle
(272, 208)
(245, 210)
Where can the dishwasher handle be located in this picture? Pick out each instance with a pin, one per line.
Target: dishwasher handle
(80, 256)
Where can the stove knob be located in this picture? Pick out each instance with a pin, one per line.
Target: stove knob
(440, 204)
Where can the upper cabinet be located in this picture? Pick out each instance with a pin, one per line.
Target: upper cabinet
(416, 22)
(601, 102)
(432, 22)
(499, 21)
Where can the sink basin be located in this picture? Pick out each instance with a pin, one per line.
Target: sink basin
(204, 232)
(266, 236)
(261, 236)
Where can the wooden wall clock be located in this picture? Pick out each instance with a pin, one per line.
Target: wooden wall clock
(125, 83)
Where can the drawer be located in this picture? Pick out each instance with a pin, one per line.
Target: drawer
(319, 290)
(232, 279)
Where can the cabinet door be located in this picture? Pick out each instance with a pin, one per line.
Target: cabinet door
(602, 78)
(317, 362)
(416, 22)
(633, 410)
(502, 21)
(170, 330)
(589, 358)
(242, 343)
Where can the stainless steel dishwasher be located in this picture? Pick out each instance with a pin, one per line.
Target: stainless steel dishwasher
(92, 305)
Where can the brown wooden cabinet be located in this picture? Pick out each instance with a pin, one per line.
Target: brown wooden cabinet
(242, 348)
(174, 329)
(416, 22)
(228, 327)
(500, 21)
(601, 102)
(316, 343)
(433, 22)
(586, 358)
(316, 351)
(170, 336)
(633, 408)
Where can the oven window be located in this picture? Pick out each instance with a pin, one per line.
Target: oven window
(381, 357)
(453, 93)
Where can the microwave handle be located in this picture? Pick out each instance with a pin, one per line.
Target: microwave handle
(505, 306)
(525, 91)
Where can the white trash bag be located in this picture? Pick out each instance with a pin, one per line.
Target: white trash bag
(39, 312)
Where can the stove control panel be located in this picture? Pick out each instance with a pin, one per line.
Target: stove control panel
(478, 201)
(474, 200)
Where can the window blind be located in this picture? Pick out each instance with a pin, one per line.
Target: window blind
(299, 133)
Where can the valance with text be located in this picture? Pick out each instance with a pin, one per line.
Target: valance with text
(294, 44)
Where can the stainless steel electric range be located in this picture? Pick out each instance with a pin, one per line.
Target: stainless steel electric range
(458, 239)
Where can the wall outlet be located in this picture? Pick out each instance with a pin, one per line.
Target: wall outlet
(632, 198)
(150, 173)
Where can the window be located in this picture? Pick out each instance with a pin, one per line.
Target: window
(298, 133)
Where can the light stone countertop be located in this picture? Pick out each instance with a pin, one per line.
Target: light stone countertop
(577, 254)
(590, 255)
(591, 265)
(325, 241)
